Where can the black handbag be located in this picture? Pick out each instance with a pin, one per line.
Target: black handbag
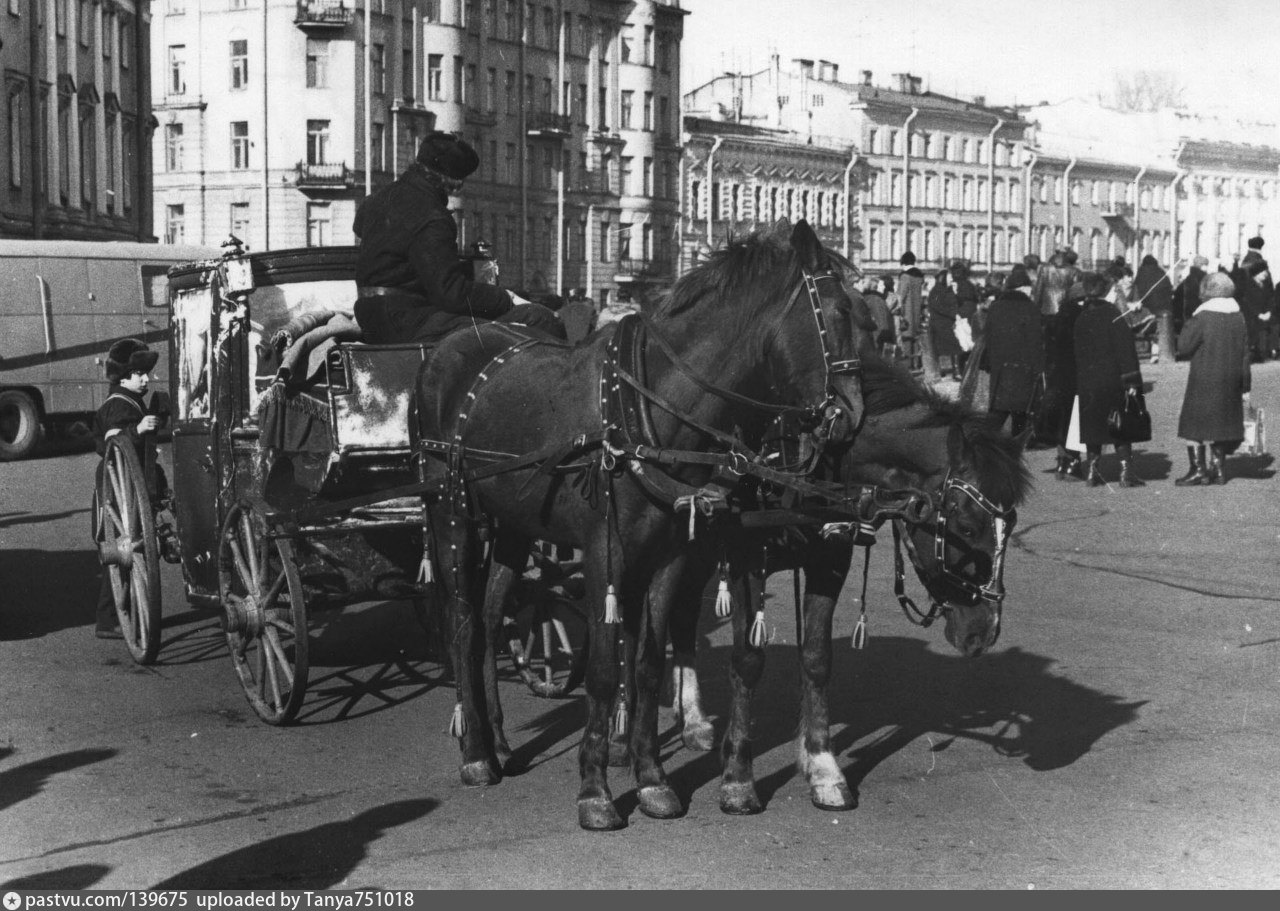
(1130, 422)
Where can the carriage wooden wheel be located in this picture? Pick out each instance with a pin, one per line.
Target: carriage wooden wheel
(546, 628)
(126, 537)
(264, 613)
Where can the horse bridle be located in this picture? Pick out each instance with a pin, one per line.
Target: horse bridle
(942, 511)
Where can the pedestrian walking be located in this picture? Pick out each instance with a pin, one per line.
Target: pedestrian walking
(1053, 282)
(1054, 423)
(944, 309)
(911, 292)
(1187, 297)
(1014, 352)
(1153, 291)
(1218, 384)
(1255, 292)
(874, 298)
(1107, 373)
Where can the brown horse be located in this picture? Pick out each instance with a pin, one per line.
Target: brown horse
(601, 446)
(969, 476)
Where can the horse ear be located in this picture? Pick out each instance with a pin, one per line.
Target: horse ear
(807, 246)
(1023, 438)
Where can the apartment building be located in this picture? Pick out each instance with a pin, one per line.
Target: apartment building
(941, 176)
(76, 129)
(571, 105)
(740, 178)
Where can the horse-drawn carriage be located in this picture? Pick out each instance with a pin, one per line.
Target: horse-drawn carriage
(293, 483)
(311, 468)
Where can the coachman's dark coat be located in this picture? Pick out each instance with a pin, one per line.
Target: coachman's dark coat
(1014, 351)
(1219, 350)
(1106, 366)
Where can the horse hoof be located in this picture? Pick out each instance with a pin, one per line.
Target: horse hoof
(503, 754)
(700, 737)
(479, 774)
(619, 755)
(596, 814)
(660, 802)
(739, 799)
(832, 797)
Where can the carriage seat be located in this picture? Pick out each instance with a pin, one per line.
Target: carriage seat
(370, 388)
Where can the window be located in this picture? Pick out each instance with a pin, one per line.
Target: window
(491, 90)
(431, 11)
(173, 147)
(240, 220)
(108, 31)
(509, 30)
(317, 63)
(1057, 189)
(459, 88)
(125, 53)
(625, 40)
(624, 116)
(664, 115)
(549, 28)
(239, 145)
(86, 22)
(605, 234)
(513, 97)
(469, 90)
(531, 22)
(435, 77)
(1075, 192)
(317, 141)
(15, 7)
(624, 241)
(546, 95)
(175, 224)
(511, 174)
(17, 131)
(646, 176)
(873, 136)
(88, 159)
(625, 176)
(60, 15)
(377, 140)
(239, 4)
(177, 84)
(239, 63)
(647, 59)
(378, 65)
(580, 103)
(648, 111)
(319, 224)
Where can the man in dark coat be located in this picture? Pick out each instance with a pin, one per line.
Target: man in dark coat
(1054, 421)
(1153, 289)
(1014, 351)
(412, 283)
(1106, 372)
(1255, 293)
(1214, 337)
(911, 293)
(1187, 298)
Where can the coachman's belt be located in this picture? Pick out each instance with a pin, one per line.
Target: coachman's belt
(381, 291)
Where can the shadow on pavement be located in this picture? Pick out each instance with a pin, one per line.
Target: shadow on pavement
(18, 784)
(10, 519)
(898, 690)
(47, 591)
(79, 876)
(1252, 467)
(317, 858)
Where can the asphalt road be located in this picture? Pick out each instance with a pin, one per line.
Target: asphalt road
(1122, 733)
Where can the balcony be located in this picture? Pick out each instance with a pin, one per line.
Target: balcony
(323, 15)
(548, 125)
(324, 176)
(595, 182)
(1119, 210)
(478, 117)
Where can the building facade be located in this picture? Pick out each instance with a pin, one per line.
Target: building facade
(739, 178)
(942, 177)
(572, 106)
(76, 130)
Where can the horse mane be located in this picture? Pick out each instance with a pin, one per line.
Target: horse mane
(737, 272)
(994, 457)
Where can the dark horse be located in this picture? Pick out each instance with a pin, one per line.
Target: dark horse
(538, 441)
(969, 476)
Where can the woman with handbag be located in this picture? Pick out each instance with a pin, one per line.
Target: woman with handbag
(1108, 382)
(1216, 339)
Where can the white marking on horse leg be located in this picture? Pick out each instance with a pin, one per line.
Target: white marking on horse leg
(827, 787)
(696, 732)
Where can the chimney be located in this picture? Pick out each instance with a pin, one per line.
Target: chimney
(803, 67)
(908, 84)
(980, 100)
(835, 72)
(826, 71)
(866, 77)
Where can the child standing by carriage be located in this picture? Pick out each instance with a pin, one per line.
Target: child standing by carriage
(127, 411)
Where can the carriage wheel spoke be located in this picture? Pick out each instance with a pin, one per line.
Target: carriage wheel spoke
(276, 588)
(114, 516)
(548, 643)
(242, 568)
(114, 476)
(285, 664)
(563, 635)
(250, 540)
(269, 659)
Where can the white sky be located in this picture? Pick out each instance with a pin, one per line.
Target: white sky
(1225, 52)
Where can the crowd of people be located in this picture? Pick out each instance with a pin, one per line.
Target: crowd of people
(1060, 346)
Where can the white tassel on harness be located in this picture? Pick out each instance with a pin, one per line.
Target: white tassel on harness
(611, 612)
(756, 637)
(425, 575)
(458, 723)
(724, 600)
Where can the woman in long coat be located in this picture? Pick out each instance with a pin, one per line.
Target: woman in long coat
(941, 307)
(1106, 370)
(1054, 421)
(1014, 351)
(1217, 342)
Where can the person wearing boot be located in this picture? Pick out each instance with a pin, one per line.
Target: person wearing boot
(1106, 370)
(1060, 382)
(1212, 420)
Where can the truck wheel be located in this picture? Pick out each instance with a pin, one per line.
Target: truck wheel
(19, 425)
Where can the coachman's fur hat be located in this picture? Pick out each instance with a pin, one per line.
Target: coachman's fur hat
(127, 356)
(1255, 243)
(448, 154)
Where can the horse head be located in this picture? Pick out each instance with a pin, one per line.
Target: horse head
(827, 354)
(966, 477)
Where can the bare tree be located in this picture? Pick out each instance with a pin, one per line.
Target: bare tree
(1147, 90)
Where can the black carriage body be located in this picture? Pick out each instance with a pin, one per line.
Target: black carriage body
(348, 428)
